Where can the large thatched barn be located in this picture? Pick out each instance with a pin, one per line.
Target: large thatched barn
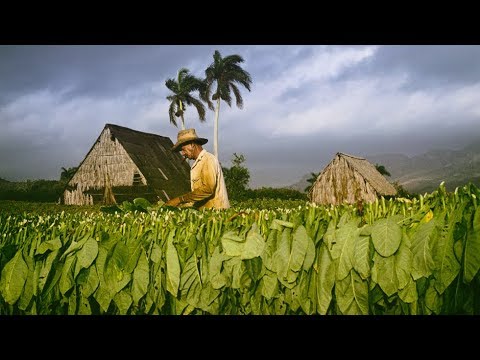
(349, 179)
(124, 164)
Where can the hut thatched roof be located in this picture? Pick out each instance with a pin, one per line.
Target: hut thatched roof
(370, 174)
(151, 152)
(133, 164)
(349, 179)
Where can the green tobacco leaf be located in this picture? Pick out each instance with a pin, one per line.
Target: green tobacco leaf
(134, 251)
(344, 219)
(115, 279)
(159, 288)
(366, 230)
(292, 298)
(269, 285)
(142, 203)
(325, 267)
(74, 247)
(191, 284)
(279, 305)
(403, 265)
(14, 276)
(288, 257)
(409, 293)
(329, 238)
(305, 302)
(84, 307)
(458, 250)
(310, 255)
(232, 244)
(345, 248)
(123, 300)
(155, 256)
(51, 245)
(254, 244)
(216, 278)
(104, 293)
(312, 291)
(88, 253)
(282, 254)
(254, 268)
(36, 278)
(423, 264)
(45, 270)
(173, 267)
(269, 250)
(119, 256)
(351, 294)
(472, 249)
(447, 266)
(88, 281)
(386, 235)
(238, 272)
(278, 224)
(385, 273)
(27, 293)
(432, 299)
(66, 280)
(207, 299)
(342, 235)
(361, 256)
(140, 279)
(299, 248)
(72, 303)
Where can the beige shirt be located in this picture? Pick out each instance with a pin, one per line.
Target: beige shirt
(207, 183)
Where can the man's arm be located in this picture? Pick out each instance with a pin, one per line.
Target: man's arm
(204, 189)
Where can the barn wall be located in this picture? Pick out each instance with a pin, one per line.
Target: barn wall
(340, 183)
(107, 156)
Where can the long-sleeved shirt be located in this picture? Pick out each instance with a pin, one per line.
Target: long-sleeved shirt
(207, 183)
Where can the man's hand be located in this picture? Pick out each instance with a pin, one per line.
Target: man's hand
(173, 202)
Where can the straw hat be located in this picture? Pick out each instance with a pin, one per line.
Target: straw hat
(185, 136)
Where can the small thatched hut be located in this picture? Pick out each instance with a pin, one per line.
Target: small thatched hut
(124, 164)
(349, 179)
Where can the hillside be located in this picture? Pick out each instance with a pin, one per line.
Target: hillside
(425, 172)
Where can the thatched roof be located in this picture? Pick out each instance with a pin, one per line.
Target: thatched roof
(349, 179)
(370, 173)
(150, 152)
(129, 164)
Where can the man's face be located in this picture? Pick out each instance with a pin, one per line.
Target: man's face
(188, 150)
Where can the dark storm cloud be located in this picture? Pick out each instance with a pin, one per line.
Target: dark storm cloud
(427, 66)
(92, 70)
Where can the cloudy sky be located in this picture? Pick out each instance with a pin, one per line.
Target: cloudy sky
(307, 102)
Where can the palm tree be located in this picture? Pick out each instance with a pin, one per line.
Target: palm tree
(67, 174)
(381, 169)
(225, 72)
(311, 180)
(182, 89)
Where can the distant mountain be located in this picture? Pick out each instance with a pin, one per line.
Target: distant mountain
(301, 184)
(424, 173)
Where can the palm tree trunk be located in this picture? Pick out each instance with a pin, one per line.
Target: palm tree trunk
(183, 122)
(215, 129)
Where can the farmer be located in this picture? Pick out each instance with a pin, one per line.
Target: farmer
(206, 176)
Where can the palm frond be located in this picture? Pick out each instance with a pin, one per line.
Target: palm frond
(238, 96)
(171, 113)
(199, 106)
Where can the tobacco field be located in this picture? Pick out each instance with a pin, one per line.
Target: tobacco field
(396, 257)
